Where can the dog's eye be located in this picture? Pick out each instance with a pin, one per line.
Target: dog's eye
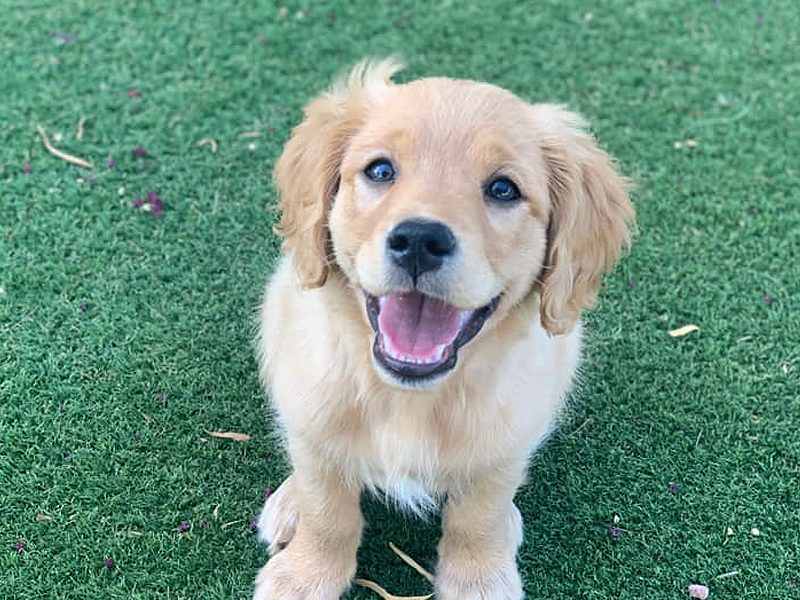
(502, 189)
(380, 171)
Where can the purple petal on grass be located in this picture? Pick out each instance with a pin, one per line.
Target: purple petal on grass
(26, 168)
(84, 307)
(109, 562)
(673, 488)
(19, 546)
(267, 494)
(614, 531)
(110, 162)
(139, 151)
(184, 526)
(162, 397)
(138, 203)
(158, 206)
(203, 522)
(152, 196)
(768, 299)
(253, 525)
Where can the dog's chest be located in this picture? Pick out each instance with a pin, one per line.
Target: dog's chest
(414, 456)
(403, 460)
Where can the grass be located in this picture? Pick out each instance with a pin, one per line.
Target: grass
(124, 337)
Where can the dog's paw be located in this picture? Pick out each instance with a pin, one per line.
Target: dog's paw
(455, 582)
(279, 517)
(467, 576)
(296, 575)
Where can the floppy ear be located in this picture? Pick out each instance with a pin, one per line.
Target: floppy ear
(307, 173)
(591, 217)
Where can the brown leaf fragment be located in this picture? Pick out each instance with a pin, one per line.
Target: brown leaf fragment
(681, 331)
(371, 585)
(74, 160)
(411, 562)
(230, 435)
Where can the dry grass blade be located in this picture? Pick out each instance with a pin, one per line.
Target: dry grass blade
(681, 331)
(586, 423)
(74, 160)
(251, 134)
(43, 518)
(79, 133)
(207, 141)
(729, 574)
(371, 585)
(230, 435)
(411, 562)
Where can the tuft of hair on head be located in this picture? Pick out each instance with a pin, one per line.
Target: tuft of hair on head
(307, 173)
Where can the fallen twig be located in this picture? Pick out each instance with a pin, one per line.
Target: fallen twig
(62, 155)
(384, 594)
(411, 562)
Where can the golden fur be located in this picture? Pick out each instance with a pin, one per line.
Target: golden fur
(466, 436)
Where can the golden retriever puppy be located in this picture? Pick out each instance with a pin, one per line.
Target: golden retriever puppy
(420, 333)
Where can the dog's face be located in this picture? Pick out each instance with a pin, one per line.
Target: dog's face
(445, 204)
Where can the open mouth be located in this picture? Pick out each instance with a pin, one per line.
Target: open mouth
(418, 336)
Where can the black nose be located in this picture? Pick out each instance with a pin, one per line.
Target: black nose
(420, 246)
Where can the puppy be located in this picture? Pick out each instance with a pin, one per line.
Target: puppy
(420, 333)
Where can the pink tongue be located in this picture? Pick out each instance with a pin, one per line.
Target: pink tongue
(417, 325)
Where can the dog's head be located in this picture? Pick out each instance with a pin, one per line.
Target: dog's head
(444, 203)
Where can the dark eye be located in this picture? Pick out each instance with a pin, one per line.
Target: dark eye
(380, 171)
(502, 189)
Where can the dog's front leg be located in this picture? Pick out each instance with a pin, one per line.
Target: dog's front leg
(320, 560)
(481, 532)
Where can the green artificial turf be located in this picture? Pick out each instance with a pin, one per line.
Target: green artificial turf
(125, 338)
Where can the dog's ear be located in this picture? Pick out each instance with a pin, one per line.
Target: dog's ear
(307, 173)
(591, 217)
